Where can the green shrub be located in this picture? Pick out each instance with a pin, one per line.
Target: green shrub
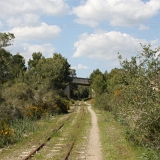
(133, 96)
(6, 134)
(51, 101)
(18, 95)
(15, 130)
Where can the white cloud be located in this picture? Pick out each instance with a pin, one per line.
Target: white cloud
(1, 24)
(16, 12)
(107, 45)
(26, 49)
(73, 67)
(143, 27)
(39, 33)
(117, 12)
(80, 66)
(27, 19)
(46, 49)
(16, 7)
(90, 23)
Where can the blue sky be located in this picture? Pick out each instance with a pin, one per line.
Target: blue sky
(89, 33)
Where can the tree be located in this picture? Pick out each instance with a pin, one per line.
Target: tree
(51, 72)
(106, 75)
(5, 39)
(36, 56)
(137, 103)
(98, 81)
(5, 59)
(99, 84)
(78, 91)
(83, 91)
(17, 66)
(94, 74)
(5, 56)
(61, 71)
(11, 66)
(72, 72)
(115, 78)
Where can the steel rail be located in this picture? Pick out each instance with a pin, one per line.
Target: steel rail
(75, 137)
(44, 143)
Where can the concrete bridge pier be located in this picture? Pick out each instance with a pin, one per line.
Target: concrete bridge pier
(67, 91)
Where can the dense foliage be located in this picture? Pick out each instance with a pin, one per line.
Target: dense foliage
(79, 92)
(29, 94)
(132, 95)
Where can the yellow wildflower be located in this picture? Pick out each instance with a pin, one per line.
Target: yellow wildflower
(117, 92)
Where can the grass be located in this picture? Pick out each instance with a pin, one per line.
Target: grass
(15, 131)
(43, 127)
(80, 145)
(114, 144)
(67, 133)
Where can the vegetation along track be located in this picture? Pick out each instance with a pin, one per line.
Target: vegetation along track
(54, 131)
(60, 143)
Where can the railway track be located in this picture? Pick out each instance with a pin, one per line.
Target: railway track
(55, 130)
(58, 143)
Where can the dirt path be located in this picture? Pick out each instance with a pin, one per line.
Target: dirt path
(94, 147)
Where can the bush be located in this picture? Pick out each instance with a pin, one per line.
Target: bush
(51, 101)
(18, 95)
(133, 97)
(15, 130)
(6, 134)
(102, 102)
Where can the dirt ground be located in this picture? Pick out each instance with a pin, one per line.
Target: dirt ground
(94, 146)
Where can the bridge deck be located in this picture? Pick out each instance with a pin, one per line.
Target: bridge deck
(80, 81)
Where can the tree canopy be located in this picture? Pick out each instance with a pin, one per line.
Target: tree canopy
(51, 72)
(6, 39)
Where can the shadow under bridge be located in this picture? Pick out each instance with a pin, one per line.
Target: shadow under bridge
(77, 81)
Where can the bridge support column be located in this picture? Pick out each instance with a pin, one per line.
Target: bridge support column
(67, 90)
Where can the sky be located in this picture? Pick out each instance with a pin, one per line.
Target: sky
(88, 33)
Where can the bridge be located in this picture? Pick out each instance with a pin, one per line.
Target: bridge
(77, 81)
(80, 81)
